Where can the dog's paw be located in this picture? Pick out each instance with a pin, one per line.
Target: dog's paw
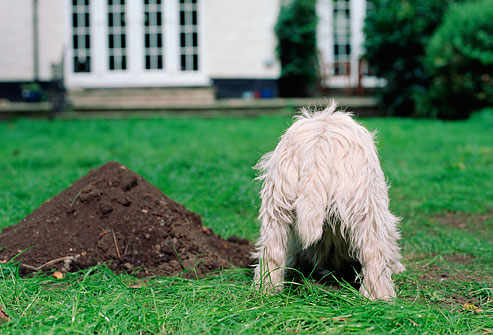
(378, 294)
(267, 287)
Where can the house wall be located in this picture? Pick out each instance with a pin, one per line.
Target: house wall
(240, 39)
(16, 36)
(17, 43)
(51, 32)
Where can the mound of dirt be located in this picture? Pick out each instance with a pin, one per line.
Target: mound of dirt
(114, 216)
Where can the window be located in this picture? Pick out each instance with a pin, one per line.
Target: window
(188, 36)
(342, 37)
(153, 34)
(117, 44)
(137, 43)
(81, 39)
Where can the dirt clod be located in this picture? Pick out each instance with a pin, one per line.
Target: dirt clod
(114, 216)
(3, 316)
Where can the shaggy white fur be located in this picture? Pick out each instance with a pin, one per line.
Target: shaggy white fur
(325, 203)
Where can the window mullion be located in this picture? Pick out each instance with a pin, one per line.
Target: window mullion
(171, 35)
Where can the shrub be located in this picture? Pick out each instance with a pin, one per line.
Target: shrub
(459, 59)
(396, 33)
(296, 31)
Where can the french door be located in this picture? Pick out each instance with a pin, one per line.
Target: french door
(119, 43)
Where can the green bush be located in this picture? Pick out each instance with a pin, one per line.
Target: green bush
(459, 59)
(396, 34)
(296, 31)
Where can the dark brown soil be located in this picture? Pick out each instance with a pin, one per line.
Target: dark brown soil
(114, 216)
(469, 222)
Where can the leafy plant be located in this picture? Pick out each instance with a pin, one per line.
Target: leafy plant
(396, 35)
(459, 59)
(296, 31)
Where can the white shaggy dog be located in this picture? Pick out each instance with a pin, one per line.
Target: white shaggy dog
(325, 204)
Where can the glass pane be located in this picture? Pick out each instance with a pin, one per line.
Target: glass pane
(189, 38)
(75, 41)
(153, 35)
(342, 36)
(195, 42)
(117, 36)
(81, 39)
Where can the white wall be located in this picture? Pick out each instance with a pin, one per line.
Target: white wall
(16, 38)
(51, 23)
(240, 39)
(16, 46)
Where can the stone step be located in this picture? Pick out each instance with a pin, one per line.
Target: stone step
(142, 97)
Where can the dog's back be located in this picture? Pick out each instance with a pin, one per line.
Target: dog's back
(327, 162)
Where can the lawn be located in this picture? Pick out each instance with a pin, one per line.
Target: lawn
(442, 186)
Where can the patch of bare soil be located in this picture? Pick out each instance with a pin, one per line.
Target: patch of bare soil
(459, 258)
(446, 278)
(447, 275)
(433, 270)
(469, 222)
(114, 216)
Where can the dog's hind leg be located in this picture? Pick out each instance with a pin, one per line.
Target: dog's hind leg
(379, 255)
(276, 218)
(271, 254)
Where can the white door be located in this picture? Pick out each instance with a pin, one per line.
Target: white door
(135, 43)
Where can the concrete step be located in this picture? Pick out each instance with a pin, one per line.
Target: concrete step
(141, 97)
(359, 105)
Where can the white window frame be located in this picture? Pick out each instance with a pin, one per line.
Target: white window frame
(135, 75)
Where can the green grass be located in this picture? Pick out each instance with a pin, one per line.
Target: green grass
(435, 168)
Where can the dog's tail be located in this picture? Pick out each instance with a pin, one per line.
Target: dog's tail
(312, 201)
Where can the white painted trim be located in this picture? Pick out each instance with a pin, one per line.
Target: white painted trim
(135, 42)
(171, 36)
(373, 82)
(202, 31)
(67, 50)
(324, 33)
(358, 8)
(99, 38)
(339, 81)
(125, 81)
